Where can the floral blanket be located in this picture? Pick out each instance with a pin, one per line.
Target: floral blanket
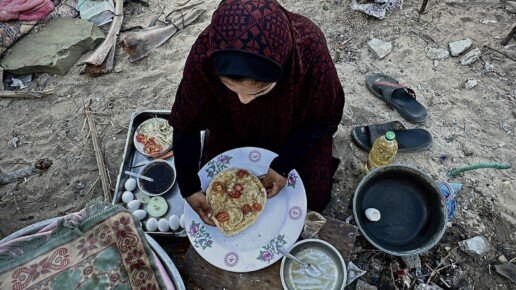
(107, 250)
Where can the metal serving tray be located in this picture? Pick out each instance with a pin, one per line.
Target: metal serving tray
(133, 157)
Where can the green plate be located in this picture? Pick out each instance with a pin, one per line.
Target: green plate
(157, 206)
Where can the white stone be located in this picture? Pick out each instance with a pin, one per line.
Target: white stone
(471, 57)
(380, 48)
(127, 196)
(173, 222)
(471, 83)
(437, 53)
(476, 245)
(459, 47)
(140, 214)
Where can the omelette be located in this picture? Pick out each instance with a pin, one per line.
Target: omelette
(237, 199)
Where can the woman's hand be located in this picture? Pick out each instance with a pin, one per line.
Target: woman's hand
(273, 183)
(199, 204)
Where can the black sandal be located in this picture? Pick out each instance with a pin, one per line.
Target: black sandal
(397, 96)
(409, 140)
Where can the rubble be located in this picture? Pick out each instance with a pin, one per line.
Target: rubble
(54, 49)
(437, 53)
(470, 83)
(380, 48)
(459, 47)
(471, 57)
(476, 245)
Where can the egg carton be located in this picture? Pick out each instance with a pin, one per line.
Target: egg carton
(133, 161)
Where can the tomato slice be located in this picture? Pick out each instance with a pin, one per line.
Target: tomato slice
(141, 138)
(218, 186)
(222, 216)
(257, 206)
(241, 173)
(246, 208)
(234, 193)
(238, 187)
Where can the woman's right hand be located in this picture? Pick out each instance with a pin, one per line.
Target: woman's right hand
(199, 204)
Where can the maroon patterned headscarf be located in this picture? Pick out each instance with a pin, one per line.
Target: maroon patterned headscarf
(308, 91)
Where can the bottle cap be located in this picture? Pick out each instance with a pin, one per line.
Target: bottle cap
(390, 135)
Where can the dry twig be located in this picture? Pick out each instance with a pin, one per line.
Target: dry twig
(106, 188)
(24, 95)
(437, 269)
(41, 165)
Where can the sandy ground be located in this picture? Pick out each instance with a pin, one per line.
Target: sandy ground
(468, 125)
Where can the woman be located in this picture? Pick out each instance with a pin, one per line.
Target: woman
(259, 76)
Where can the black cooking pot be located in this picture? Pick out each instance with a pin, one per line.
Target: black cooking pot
(413, 214)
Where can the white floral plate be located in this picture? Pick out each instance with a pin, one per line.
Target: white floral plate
(279, 225)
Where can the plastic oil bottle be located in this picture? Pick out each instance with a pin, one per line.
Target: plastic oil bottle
(383, 151)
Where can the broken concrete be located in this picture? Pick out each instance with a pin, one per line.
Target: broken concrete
(508, 270)
(437, 53)
(361, 285)
(471, 83)
(459, 47)
(54, 49)
(476, 245)
(471, 57)
(380, 48)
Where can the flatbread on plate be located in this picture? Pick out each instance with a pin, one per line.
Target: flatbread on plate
(237, 199)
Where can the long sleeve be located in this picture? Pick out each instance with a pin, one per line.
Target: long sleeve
(187, 153)
(296, 147)
(324, 115)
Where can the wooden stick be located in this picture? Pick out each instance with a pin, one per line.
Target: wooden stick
(423, 7)
(440, 263)
(106, 188)
(1, 79)
(509, 36)
(41, 165)
(24, 95)
(101, 60)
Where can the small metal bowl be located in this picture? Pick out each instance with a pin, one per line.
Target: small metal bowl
(336, 260)
(156, 163)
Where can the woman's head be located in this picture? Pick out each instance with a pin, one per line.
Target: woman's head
(247, 89)
(250, 42)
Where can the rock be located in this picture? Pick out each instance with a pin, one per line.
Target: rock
(54, 49)
(460, 46)
(476, 245)
(510, 6)
(361, 285)
(437, 53)
(380, 48)
(471, 57)
(468, 151)
(488, 67)
(508, 270)
(471, 83)
(503, 259)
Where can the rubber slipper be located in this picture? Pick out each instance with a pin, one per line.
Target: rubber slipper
(397, 96)
(409, 140)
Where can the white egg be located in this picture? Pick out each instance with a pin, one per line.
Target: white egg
(127, 196)
(134, 205)
(163, 225)
(373, 214)
(130, 184)
(173, 222)
(152, 224)
(182, 221)
(140, 214)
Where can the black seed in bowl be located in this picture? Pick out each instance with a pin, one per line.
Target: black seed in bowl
(163, 175)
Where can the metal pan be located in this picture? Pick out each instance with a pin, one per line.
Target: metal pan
(133, 157)
(413, 215)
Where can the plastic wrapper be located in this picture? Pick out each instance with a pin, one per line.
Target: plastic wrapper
(313, 224)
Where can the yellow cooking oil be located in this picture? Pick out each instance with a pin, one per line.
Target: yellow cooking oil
(383, 151)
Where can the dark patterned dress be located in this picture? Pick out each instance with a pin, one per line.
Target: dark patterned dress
(296, 119)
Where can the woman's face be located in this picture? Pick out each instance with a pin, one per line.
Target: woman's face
(247, 90)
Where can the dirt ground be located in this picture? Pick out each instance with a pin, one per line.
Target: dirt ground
(468, 126)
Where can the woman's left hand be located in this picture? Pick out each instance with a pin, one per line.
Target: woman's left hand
(273, 182)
